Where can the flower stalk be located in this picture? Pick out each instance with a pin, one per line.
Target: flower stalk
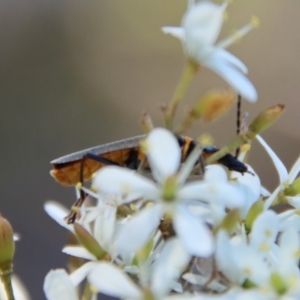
(7, 251)
(190, 70)
(7, 283)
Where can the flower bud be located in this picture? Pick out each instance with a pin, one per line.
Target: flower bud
(266, 119)
(256, 209)
(209, 108)
(278, 283)
(213, 105)
(146, 122)
(293, 189)
(231, 220)
(7, 245)
(88, 241)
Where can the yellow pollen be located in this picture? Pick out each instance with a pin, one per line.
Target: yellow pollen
(75, 209)
(205, 139)
(236, 36)
(268, 233)
(246, 148)
(93, 188)
(149, 204)
(145, 146)
(247, 271)
(293, 281)
(255, 21)
(133, 207)
(264, 247)
(286, 184)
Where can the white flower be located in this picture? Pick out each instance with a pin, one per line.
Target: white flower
(168, 194)
(272, 268)
(200, 29)
(242, 257)
(58, 285)
(249, 183)
(284, 279)
(285, 178)
(159, 278)
(104, 227)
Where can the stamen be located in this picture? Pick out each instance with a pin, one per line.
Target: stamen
(255, 21)
(187, 168)
(236, 36)
(79, 185)
(206, 140)
(264, 247)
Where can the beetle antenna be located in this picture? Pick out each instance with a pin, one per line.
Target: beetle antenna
(238, 121)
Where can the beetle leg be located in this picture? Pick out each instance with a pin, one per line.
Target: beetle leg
(71, 217)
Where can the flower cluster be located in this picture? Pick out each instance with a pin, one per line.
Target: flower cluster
(217, 225)
(185, 225)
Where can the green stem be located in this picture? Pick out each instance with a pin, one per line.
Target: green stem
(237, 142)
(87, 293)
(6, 280)
(188, 73)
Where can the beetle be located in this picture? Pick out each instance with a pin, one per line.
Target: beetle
(79, 166)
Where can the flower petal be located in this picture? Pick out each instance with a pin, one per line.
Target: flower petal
(79, 251)
(294, 171)
(113, 282)
(202, 24)
(226, 194)
(230, 59)
(81, 273)
(289, 243)
(168, 267)
(58, 285)
(194, 235)
(249, 184)
(177, 32)
(281, 169)
(215, 173)
(294, 201)
(226, 258)
(272, 197)
(189, 165)
(134, 234)
(236, 79)
(124, 183)
(58, 213)
(264, 230)
(163, 153)
(104, 226)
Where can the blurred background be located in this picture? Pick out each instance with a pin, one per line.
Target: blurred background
(75, 74)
